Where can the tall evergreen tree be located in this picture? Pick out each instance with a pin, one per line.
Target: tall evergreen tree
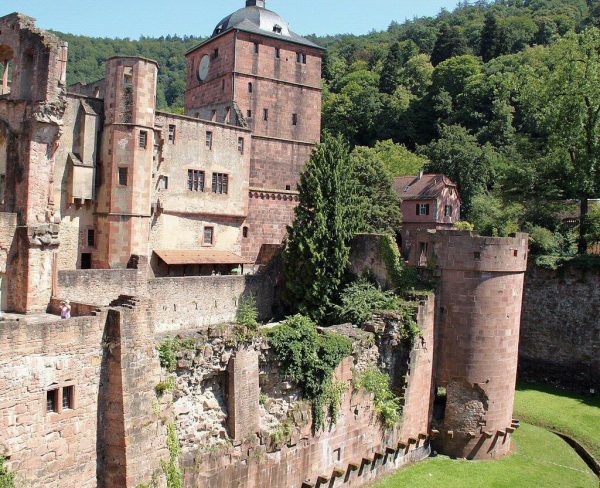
(378, 205)
(450, 42)
(492, 39)
(318, 248)
(389, 74)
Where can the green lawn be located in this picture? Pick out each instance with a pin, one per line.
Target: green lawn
(575, 415)
(542, 460)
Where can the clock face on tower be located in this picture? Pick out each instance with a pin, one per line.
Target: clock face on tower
(204, 67)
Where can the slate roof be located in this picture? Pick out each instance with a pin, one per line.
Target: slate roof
(427, 187)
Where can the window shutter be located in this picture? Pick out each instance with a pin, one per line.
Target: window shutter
(418, 213)
(214, 182)
(427, 209)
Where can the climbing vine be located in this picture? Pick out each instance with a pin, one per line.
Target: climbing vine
(387, 404)
(7, 479)
(171, 469)
(309, 358)
(403, 277)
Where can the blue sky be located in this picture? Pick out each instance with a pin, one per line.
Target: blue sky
(132, 18)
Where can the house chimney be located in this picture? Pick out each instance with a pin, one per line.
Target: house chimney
(421, 174)
(255, 3)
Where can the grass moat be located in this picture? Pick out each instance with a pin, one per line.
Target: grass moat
(541, 458)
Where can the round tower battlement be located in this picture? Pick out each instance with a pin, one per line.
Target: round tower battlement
(480, 290)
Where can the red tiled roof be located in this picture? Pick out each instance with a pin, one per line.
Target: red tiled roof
(208, 256)
(425, 188)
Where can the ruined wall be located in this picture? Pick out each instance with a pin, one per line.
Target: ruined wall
(560, 327)
(196, 302)
(99, 286)
(367, 256)
(51, 448)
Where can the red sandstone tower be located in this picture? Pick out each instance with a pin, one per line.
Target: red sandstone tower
(478, 321)
(256, 71)
(123, 208)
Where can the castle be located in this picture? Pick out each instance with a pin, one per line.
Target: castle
(139, 217)
(102, 175)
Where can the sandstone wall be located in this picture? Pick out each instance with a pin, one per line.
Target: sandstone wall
(99, 286)
(196, 302)
(560, 326)
(47, 448)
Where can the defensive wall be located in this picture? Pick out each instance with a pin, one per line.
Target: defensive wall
(560, 328)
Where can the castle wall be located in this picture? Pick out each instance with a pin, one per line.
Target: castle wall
(45, 448)
(269, 214)
(480, 296)
(560, 328)
(197, 302)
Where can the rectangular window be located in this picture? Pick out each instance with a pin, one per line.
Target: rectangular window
(68, 399)
(52, 400)
(220, 183)
(216, 54)
(171, 134)
(301, 58)
(256, 48)
(422, 209)
(448, 211)
(163, 182)
(245, 232)
(209, 140)
(241, 145)
(209, 233)
(143, 139)
(294, 119)
(86, 260)
(250, 88)
(249, 114)
(128, 75)
(266, 114)
(277, 53)
(123, 173)
(195, 180)
(91, 237)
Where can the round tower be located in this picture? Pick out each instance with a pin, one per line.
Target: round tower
(124, 195)
(479, 315)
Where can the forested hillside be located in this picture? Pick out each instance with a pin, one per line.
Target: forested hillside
(504, 97)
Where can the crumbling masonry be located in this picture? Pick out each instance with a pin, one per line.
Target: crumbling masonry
(139, 218)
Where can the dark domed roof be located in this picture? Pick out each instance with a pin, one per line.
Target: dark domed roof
(257, 19)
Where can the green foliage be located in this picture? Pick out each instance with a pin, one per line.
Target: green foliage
(403, 278)
(361, 299)
(332, 398)
(378, 204)
(387, 404)
(168, 349)
(464, 225)
(7, 479)
(389, 75)
(458, 155)
(493, 39)
(309, 358)
(593, 225)
(165, 386)
(450, 42)
(492, 217)
(397, 160)
(247, 314)
(171, 468)
(318, 248)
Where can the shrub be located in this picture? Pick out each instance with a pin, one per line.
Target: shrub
(7, 479)
(168, 349)
(387, 404)
(171, 469)
(164, 386)
(464, 225)
(309, 358)
(361, 299)
(543, 241)
(247, 314)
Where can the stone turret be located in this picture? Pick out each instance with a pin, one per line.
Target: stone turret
(479, 313)
(124, 197)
